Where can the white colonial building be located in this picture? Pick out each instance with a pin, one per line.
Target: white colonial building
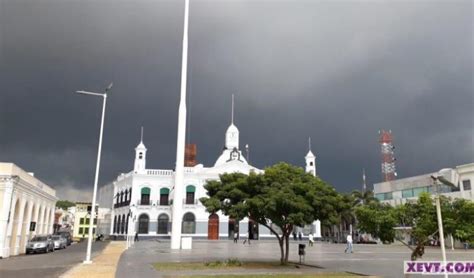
(27, 208)
(143, 197)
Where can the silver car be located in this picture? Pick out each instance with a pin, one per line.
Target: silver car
(43, 243)
(60, 242)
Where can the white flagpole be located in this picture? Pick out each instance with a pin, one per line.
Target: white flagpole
(179, 171)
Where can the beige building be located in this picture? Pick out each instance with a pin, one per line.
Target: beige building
(27, 208)
(82, 220)
(408, 189)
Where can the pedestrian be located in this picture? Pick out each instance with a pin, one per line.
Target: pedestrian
(300, 236)
(310, 239)
(236, 236)
(294, 235)
(248, 238)
(349, 244)
(136, 237)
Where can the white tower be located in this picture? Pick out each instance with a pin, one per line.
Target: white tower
(232, 133)
(310, 160)
(140, 156)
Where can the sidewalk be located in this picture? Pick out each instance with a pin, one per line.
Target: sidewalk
(103, 265)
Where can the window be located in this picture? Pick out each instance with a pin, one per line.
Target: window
(95, 221)
(81, 221)
(384, 196)
(189, 223)
(88, 221)
(140, 155)
(145, 200)
(190, 190)
(86, 231)
(417, 191)
(163, 220)
(407, 193)
(81, 231)
(164, 196)
(466, 184)
(311, 163)
(143, 224)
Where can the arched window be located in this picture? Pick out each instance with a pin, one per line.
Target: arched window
(115, 224)
(130, 194)
(143, 221)
(126, 224)
(189, 223)
(163, 221)
(122, 227)
(118, 224)
(145, 200)
(121, 197)
(164, 196)
(190, 190)
(125, 199)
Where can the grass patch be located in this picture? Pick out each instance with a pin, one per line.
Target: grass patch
(333, 275)
(229, 263)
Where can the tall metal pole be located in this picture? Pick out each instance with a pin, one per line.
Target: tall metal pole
(179, 171)
(96, 179)
(440, 227)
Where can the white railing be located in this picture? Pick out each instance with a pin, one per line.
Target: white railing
(159, 172)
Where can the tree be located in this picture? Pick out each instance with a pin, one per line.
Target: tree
(420, 219)
(64, 204)
(283, 197)
(458, 219)
(363, 197)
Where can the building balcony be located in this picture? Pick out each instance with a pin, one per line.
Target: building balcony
(190, 202)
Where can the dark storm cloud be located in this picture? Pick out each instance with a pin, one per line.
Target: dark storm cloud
(337, 71)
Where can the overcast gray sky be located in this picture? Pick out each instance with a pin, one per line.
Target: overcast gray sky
(337, 71)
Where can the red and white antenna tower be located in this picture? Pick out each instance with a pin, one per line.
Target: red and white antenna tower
(388, 158)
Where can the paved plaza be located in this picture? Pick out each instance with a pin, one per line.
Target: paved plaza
(378, 260)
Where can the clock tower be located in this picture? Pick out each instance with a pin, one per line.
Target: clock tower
(232, 133)
(310, 160)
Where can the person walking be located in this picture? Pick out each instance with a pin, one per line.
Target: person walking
(349, 244)
(310, 239)
(294, 235)
(236, 236)
(300, 236)
(136, 237)
(248, 238)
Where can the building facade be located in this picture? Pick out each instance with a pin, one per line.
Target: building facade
(142, 198)
(408, 189)
(82, 217)
(27, 208)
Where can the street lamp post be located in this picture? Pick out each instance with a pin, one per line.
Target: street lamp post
(97, 168)
(436, 180)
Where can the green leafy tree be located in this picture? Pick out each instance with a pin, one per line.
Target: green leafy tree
(458, 219)
(363, 197)
(64, 204)
(420, 219)
(283, 197)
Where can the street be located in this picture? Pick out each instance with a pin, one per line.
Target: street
(49, 264)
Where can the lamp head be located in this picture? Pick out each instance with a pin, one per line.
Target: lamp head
(109, 87)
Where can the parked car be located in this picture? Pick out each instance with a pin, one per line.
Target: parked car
(40, 243)
(60, 242)
(66, 235)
